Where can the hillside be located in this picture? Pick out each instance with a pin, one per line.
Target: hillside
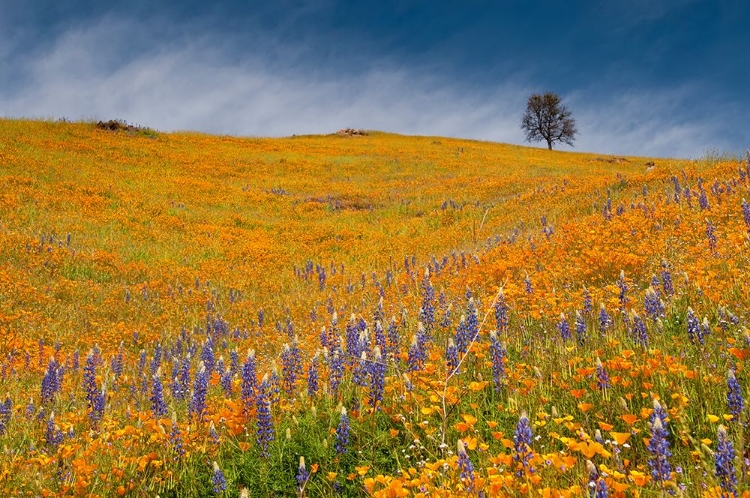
(128, 259)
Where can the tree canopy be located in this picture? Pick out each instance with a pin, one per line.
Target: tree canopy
(547, 119)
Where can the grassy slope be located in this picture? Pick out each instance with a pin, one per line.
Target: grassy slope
(179, 220)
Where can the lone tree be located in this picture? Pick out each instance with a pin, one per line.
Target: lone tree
(546, 118)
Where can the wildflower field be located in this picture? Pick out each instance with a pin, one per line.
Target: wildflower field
(188, 315)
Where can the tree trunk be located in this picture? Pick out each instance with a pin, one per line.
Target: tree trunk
(549, 144)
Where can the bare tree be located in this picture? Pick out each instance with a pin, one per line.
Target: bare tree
(546, 118)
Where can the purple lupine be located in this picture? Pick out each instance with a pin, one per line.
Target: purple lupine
(427, 310)
(226, 382)
(53, 436)
(658, 445)
(207, 356)
(602, 378)
(463, 338)
(677, 189)
(711, 235)
(302, 476)
(746, 214)
(377, 377)
(181, 381)
(156, 360)
(6, 409)
(580, 328)
(249, 381)
(158, 406)
(265, 432)
(666, 279)
(522, 439)
(342, 433)
(564, 328)
(213, 435)
(360, 370)
(497, 353)
(527, 285)
(605, 321)
(291, 367)
(703, 330)
(335, 371)
(417, 355)
(588, 305)
(50, 382)
(218, 480)
(597, 485)
(352, 340)
(735, 401)
(175, 438)
(30, 409)
(501, 312)
(466, 468)
(652, 304)
(693, 326)
(93, 394)
(640, 333)
(451, 357)
(724, 464)
(197, 405)
(313, 375)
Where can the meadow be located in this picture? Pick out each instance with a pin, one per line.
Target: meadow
(193, 315)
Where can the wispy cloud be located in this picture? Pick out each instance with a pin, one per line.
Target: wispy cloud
(199, 85)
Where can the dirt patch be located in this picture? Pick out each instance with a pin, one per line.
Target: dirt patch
(118, 125)
(612, 160)
(351, 132)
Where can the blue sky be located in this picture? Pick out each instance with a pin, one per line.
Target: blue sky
(659, 77)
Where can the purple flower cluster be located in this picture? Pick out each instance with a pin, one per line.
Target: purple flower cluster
(522, 439)
(377, 377)
(6, 408)
(666, 279)
(497, 354)
(451, 357)
(658, 445)
(605, 321)
(313, 375)
(218, 480)
(302, 475)
(735, 401)
(197, 405)
(724, 463)
(580, 329)
(501, 312)
(602, 378)
(466, 467)
(51, 383)
(652, 304)
(342, 433)
(158, 406)
(564, 328)
(265, 432)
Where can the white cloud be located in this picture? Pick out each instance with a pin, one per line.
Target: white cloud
(196, 86)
